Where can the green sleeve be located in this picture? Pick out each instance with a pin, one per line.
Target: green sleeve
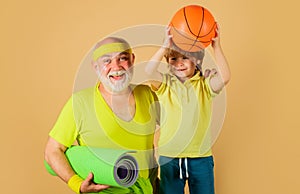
(65, 129)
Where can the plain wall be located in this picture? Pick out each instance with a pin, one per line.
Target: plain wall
(42, 44)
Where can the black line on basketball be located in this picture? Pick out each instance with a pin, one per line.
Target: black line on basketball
(182, 33)
(186, 37)
(209, 31)
(187, 23)
(182, 43)
(201, 25)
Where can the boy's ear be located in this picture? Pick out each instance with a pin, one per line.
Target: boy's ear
(169, 66)
(194, 60)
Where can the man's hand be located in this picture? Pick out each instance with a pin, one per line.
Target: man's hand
(88, 186)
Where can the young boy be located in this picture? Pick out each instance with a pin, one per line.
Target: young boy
(186, 97)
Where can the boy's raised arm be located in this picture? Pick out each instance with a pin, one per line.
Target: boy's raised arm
(151, 68)
(221, 76)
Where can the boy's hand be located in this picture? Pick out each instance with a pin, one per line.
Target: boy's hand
(210, 72)
(216, 40)
(168, 38)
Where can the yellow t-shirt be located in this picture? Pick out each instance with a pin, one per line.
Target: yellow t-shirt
(186, 110)
(88, 119)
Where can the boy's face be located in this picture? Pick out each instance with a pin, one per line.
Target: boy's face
(182, 67)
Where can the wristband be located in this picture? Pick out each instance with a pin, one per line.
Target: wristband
(75, 182)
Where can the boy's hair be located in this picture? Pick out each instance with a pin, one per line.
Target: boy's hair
(174, 51)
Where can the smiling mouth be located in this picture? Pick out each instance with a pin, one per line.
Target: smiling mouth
(116, 76)
(180, 69)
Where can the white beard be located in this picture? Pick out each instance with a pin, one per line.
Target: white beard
(117, 85)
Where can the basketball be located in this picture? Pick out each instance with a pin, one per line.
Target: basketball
(192, 28)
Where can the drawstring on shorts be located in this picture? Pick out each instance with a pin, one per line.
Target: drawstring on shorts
(186, 168)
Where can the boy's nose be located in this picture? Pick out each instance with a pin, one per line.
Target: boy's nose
(179, 62)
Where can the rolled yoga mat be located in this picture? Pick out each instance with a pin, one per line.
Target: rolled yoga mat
(109, 166)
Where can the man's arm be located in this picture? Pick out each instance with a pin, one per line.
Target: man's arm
(55, 157)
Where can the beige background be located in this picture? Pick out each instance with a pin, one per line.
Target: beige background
(43, 42)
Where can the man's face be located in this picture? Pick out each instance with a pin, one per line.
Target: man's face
(115, 70)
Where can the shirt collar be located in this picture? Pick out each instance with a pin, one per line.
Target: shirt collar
(194, 78)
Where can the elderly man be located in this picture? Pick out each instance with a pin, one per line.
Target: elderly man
(113, 114)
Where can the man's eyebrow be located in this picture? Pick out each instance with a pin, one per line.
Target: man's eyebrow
(124, 53)
(105, 56)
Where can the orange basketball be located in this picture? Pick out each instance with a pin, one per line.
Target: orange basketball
(193, 28)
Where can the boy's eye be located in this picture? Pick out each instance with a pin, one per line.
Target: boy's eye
(184, 57)
(173, 58)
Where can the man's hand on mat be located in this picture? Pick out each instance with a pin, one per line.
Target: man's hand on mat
(89, 186)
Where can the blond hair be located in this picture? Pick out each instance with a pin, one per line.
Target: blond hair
(175, 51)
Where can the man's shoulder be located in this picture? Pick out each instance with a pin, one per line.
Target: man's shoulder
(83, 93)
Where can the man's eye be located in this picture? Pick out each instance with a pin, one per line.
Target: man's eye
(173, 58)
(106, 61)
(185, 57)
(124, 58)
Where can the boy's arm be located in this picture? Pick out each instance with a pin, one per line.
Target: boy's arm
(222, 76)
(151, 68)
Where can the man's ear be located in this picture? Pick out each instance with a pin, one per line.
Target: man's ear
(132, 58)
(94, 65)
